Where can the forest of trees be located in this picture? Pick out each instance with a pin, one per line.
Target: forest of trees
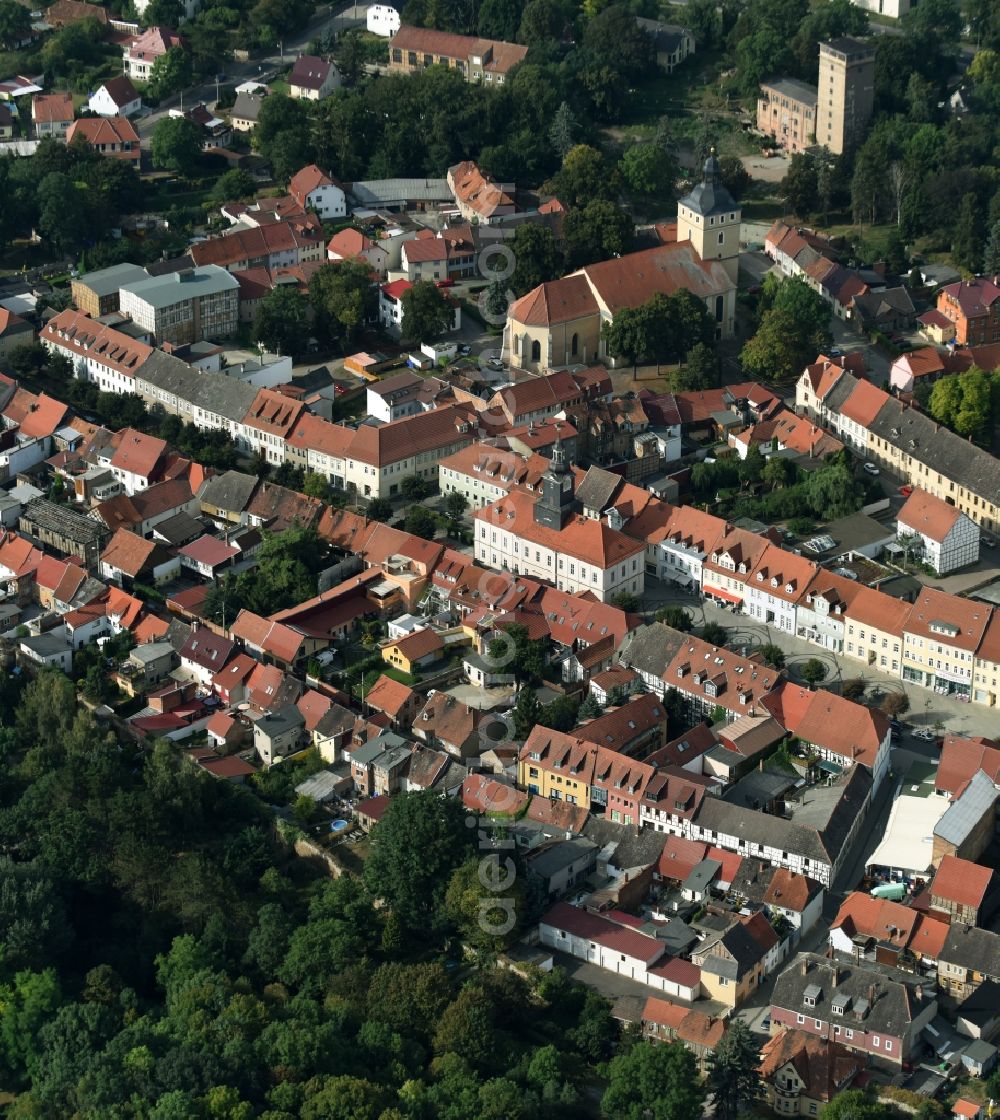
(164, 958)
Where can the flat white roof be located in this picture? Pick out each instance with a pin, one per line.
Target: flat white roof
(908, 842)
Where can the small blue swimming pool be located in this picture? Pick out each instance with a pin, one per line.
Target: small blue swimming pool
(338, 826)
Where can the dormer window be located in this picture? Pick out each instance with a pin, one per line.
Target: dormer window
(774, 581)
(788, 589)
(760, 577)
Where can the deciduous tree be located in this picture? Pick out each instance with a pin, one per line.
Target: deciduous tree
(654, 1081)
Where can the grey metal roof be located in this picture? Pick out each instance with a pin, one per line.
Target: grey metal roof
(45, 645)
(319, 786)
(375, 192)
(189, 283)
(967, 811)
(560, 854)
(151, 651)
(107, 281)
(701, 875)
(794, 89)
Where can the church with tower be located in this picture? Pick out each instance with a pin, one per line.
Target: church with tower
(559, 323)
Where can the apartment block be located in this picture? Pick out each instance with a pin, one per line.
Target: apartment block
(186, 306)
(786, 111)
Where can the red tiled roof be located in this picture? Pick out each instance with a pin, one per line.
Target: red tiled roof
(128, 553)
(961, 882)
(138, 453)
(418, 644)
(104, 130)
(680, 857)
(831, 722)
(52, 108)
(593, 542)
(309, 72)
(209, 550)
(484, 794)
(930, 516)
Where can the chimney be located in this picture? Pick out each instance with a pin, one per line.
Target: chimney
(804, 966)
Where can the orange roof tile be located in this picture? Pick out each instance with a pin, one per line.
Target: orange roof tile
(930, 516)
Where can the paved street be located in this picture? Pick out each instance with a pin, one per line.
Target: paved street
(330, 18)
(927, 709)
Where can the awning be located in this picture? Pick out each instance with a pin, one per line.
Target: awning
(830, 767)
(728, 596)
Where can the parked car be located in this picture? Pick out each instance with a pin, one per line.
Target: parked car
(906, 491)
(925, 734)
(465, 349)
(988, 541)
(870, 468)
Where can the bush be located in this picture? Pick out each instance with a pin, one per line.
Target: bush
(853, 689)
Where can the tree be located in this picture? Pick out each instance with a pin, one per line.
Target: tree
(854, 1104)
(781, 347)
(282, 135)
(650, 173)
(563, 131)
(654, 1081)
(282, 321)
(991, 255)
(584, 177)
(813, 671)
(625, 601)
(427, 312)
(674, 616)
(527, 711)
(545, 21)
(343, 299)
(853, 689)
(560, 714)
(627, 335)
(895, 704)
(515, 650)
(421, 522)
(935, 20)
(379, 509)
(773, 655)
(536, 258)
(792, 294)
(486, 900)
(170, 73)
(234, 185)
(418, 843)
(163, 13)
(967, 241)
(732, 1073)
(596, 232)
(700, 371)
(62, 212)
(176, 145)
(414, 488)
(15, 24)
(455, 505)
(714, 634)
(590, 708)
(800, 184)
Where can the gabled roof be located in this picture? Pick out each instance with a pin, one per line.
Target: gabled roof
(207, 649)
(128, 553)
(932, 517)
(52, 108)
(961, 881)
(138, 453)
(830, 722)
(309, 72)
(389, 696)
(120, 90)
(558, 301)
(948, 619)
(113, 131)
(307, 180)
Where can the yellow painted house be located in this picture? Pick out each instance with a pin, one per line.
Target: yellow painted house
(557, 766)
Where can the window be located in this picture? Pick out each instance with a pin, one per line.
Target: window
(574, 344)
(876, 1041)
(800, 1019)
(536, 351)
(888, 1045)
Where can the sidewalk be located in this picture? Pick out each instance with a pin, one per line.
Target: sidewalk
(927, 708)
